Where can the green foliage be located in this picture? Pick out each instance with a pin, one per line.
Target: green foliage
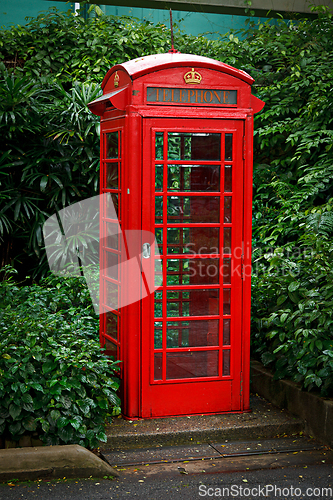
(293, 218)
(54, 378)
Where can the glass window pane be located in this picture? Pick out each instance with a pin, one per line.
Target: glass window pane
(111, 240)
(159, 145)
(196, 146)
(193, 209)
(112, 325)
(159, 238)
(112, 175)
(227, 178)
(192, 333)
(112, 145)
(192, 271)
(226, 301)
(227, 240)
(194, 178)
(158, 304)
(111, 265)
(178, 272)
(178, 303)
(227, 209)
(226, 362)
(158, 177)
(182, 365)
(192, 302)
(228, 147)
(111, 349)
(158, 366)
(112, 295)
(227, 271)
(112, 206)
(206, 147)
(179, 146)
(204, 271)
(194, 240)
(159, 208)
(158, 335)
(158, 272)
(226, 332)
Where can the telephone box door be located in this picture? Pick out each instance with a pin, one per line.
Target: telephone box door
(192, 324)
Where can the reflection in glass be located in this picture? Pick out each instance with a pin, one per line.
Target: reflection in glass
(227, 240)
(193, 364)
(193, 209)
(226, 301)
(193, 178)
(158, 177)
(228, 147)
(112, 325)
(195, 240)
(226, 362)
(227, 209)
(112, 145)
(112, 175)
(159, 145)
(227, 178)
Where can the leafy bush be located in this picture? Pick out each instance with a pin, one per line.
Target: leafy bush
(54, 379)
(293, 224)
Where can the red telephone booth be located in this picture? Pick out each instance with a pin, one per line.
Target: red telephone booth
(176, 159)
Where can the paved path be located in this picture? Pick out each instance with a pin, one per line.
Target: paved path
(286, 483)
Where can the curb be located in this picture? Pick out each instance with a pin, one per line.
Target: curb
(52, 462)
(314, 410)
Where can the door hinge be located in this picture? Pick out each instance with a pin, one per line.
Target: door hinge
(244, 147)
(241, 384)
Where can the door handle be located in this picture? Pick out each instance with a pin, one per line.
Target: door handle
(146, 250)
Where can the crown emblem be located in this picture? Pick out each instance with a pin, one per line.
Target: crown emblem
(192, 77)
(116, 79)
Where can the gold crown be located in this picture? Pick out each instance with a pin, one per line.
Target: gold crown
(116, 79)
(192, 77)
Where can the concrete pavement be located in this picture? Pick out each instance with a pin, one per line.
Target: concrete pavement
(265, 421)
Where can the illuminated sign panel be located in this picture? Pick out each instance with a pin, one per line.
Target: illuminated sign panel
(165, 95)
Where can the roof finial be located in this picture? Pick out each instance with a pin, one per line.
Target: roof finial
(172, 50)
